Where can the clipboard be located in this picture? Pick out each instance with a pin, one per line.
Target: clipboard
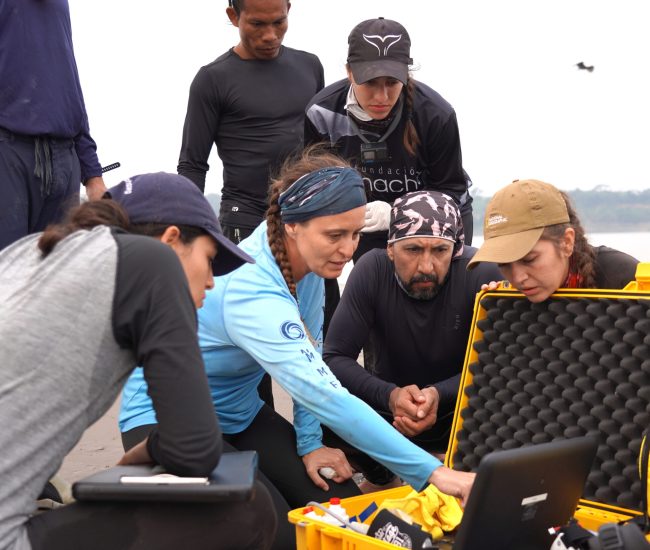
(232, 480)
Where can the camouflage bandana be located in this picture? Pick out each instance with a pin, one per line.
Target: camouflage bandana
(427, 214)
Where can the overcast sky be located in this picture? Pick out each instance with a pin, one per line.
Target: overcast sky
(507, 67)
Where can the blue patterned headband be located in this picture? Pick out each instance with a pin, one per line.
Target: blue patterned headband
(322, 192)
(427, 214)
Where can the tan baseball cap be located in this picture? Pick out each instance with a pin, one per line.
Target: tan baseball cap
(515, 219)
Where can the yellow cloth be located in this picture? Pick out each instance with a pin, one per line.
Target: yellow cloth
(435, 511)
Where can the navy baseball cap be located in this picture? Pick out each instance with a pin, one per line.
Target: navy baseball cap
(175, 200)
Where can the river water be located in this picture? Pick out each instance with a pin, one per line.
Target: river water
(634, 244)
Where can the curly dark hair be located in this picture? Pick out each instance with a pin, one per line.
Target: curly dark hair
(583, 258)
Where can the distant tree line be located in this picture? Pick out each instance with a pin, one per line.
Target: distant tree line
(600, 210)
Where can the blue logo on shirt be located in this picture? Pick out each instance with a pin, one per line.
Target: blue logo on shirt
(292, 331)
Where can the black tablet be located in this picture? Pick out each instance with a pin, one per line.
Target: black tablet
(231, 480)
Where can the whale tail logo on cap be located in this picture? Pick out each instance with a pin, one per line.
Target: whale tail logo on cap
(379, 42)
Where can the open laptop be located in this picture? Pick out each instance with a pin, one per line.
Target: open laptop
(233, 479)
(520, 493)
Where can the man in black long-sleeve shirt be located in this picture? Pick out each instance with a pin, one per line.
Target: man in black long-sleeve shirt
(415, 300)
(250, 102)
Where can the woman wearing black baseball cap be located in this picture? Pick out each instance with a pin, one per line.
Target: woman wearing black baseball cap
(82, 304)
(400, 134)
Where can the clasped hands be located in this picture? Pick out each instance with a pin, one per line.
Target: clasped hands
(414, 410)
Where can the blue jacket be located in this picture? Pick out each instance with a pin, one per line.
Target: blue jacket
(250, 324)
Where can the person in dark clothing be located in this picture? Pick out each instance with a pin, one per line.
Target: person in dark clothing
(46, 150)
(95, 300)
(400, 134)
(269, 319)
(416, 299)
(533, 233)
(250, 102)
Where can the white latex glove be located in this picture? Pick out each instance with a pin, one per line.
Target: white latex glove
(377, 216)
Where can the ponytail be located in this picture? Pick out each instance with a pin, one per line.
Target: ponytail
(84, 216)
(410, 139)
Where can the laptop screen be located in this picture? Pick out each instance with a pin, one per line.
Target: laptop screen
(520, 493)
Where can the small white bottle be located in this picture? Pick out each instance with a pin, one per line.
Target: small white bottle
(309, 512)
(360, 527)
(335, 506)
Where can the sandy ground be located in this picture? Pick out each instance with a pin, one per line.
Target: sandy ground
(101, 445)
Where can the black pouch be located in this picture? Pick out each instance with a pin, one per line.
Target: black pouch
(388, 527)
(374, 152)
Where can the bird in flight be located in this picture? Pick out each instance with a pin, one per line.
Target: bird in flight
(584, 67)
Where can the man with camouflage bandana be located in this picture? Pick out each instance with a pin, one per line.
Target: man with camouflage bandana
(415, 302)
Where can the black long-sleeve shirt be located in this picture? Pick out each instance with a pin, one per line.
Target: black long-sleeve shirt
(421, 342)
(437, 164)
(253, 111)
(154, 315)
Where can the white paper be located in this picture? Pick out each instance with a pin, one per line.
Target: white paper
(165, 479)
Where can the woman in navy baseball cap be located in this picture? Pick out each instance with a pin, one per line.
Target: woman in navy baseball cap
(171, 208)
(82, 304)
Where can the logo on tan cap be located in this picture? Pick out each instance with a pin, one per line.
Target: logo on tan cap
(495, 219)
(515, 218)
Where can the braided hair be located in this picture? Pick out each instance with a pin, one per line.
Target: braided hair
(411, 139)
(312, 158)
(583, 258)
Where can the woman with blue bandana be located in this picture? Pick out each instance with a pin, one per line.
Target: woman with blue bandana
(268, 317)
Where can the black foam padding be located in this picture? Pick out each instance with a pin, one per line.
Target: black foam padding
(563, 368)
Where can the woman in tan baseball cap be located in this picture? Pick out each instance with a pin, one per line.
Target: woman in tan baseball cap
(534, 235)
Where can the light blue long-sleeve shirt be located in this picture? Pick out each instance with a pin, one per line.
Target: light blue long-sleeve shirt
(250, 324)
